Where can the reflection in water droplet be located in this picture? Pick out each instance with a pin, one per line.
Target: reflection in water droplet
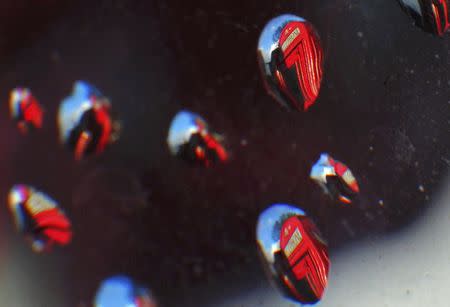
(85, 122)
(293, 253)
(39, 218)
(335, 178)
(291, 61)
(25, 110)
(431, 15)
(189, 138)
(121, 291)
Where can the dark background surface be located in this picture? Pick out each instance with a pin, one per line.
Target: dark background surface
(383, 110)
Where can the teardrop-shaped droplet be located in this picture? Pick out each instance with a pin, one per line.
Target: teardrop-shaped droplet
(190, 138)
(293, 253)
(290, 57)
(431, 15)
(85, 122)
(335, 178)
(39, 218)
(25, 110)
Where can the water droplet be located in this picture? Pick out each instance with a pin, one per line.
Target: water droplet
(421, 12)
(190, 138)
(335, 178)
(120, 291)
(287, 241)
(85, 123)
(39, 218)
(25, 110)
(281, 68)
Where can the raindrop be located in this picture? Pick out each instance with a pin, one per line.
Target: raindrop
(290, 57)
(430, 15)
(190, 138)
(39, 218)
(85, 122)
(25, 110)
(121, 291)
(335, 178)
(293, 252)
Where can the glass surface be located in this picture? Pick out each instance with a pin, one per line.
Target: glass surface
(188, 232)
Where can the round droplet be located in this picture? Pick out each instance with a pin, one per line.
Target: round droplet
(25, 110)
(39, 218)
(293, 253)
(85, 122)
(189, 138)
(290, 57)
(121, 291)
(335, 178)
(431, 15)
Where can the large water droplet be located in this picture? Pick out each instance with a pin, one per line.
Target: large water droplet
(293, 253)
(290, 57)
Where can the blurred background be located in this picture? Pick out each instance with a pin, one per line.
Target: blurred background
(189, 233)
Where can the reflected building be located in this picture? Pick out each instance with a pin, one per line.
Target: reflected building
(431, 15)
(39, 218)
(25, 110)
(293, 253)
(190, 139)
(85, 122)
(122, 291)
(335, 179)
(290, 57)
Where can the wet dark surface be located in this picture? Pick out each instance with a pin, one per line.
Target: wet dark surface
(383, 110)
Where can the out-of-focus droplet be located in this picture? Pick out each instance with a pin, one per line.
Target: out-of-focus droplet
(39, 218)
(121, 291)
(431, 15)
(85, 122)
(290, 57)
(25, 110)
(335, 178)
(293, 253)
(190, 139)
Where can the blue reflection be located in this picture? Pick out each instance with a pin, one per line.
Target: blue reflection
(117, 291)
(183, 125)
(73, 107)
(269, 226)
(268, 40)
